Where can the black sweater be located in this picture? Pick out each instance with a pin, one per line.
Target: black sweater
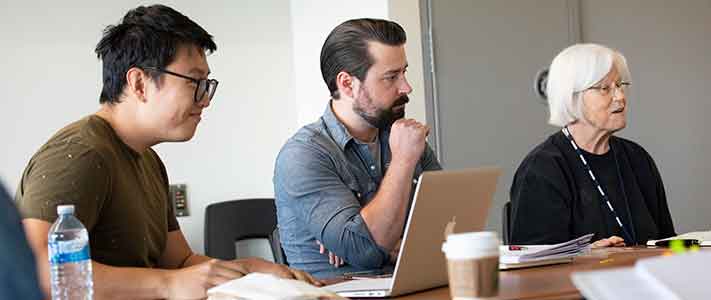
(554, 200)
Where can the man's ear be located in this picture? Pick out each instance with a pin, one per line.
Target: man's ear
(346, 84)
(136, 80)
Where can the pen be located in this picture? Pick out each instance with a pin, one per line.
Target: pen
(604, 261)
(516, 248)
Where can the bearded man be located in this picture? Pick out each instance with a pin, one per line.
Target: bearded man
(344, 183)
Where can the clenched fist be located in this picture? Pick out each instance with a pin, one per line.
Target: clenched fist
(407, 140)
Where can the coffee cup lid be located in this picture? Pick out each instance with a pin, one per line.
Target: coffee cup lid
(471, 244)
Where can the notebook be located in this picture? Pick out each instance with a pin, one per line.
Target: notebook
(260, 286)
(514, 256)
(676, 277)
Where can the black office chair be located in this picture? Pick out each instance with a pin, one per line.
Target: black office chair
(277, 250)
(231, 221)
(506, 222)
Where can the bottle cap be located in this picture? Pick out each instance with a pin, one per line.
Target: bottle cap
(65, 209)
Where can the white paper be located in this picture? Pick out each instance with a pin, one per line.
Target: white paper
(259, 286)
(532, 253)
(620, 283)
(677, 277)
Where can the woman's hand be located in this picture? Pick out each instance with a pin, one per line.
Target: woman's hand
(613, 241)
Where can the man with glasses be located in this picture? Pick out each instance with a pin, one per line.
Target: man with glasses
(155, 89)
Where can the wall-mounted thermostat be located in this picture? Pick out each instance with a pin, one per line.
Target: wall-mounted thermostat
(179, 198)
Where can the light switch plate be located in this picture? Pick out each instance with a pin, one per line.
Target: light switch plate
(179, 198)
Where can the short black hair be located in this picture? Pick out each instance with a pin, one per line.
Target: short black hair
(148, 36)
(346, 48)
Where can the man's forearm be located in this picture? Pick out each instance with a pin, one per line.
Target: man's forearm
(385, 214)
(194, 259)
(129, 283)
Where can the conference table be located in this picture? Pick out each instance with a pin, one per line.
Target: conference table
(551, 282)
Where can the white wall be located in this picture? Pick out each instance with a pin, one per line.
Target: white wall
(267, 63)
(232, 155)
(313, 20)
(407, 14)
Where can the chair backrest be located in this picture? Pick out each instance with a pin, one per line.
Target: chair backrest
(231, 221)
(506, 223)
(277, 250)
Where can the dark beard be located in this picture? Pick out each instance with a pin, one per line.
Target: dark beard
(384, 118)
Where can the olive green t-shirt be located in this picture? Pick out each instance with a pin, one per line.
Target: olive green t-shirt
(120, 196)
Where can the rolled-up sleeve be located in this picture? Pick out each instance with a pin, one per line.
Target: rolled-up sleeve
(308, 180)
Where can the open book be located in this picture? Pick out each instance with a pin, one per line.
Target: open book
(259, 286)
(704, 238)
(513, 256)
(676, 277)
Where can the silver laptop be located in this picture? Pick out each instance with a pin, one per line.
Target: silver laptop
(440, 196)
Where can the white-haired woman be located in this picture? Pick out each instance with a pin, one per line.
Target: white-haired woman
(583, 179)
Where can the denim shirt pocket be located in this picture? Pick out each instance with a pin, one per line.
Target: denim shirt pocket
(363, 191)
(370, 190)
(352, 183)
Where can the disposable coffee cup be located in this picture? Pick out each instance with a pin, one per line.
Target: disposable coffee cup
(472, 265)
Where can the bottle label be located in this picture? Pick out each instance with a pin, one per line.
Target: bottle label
(68, 252)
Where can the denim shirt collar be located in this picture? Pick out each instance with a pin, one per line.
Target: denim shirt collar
(339, 132)
(335, 128)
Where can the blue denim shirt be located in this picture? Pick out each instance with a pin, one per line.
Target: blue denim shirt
(322, 179)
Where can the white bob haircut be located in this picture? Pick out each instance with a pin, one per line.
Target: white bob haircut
(574, 70)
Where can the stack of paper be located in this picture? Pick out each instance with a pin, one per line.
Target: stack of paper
(536, 255)
(676, 277)
(258, 286)
(704, 238)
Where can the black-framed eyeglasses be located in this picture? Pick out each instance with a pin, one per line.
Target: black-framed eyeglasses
(204, 86)
(607, 90)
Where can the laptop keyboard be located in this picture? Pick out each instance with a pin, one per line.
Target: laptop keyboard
(371, 284)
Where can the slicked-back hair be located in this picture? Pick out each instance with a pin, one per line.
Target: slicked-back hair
(147, 36)
(346, 48)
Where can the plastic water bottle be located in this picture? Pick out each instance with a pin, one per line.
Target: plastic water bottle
(69, 258)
